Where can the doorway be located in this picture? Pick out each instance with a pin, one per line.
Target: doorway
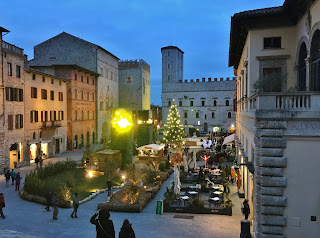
(14, 148)
(57, 150)
(205, 127)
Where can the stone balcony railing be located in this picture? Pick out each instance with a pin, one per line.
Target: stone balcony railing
(280, 102)
(12, 48)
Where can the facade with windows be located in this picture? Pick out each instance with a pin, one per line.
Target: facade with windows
(275, 55)
(134, 85)
(45, 110)
(11, 105)
(206, 104)
(66, 49)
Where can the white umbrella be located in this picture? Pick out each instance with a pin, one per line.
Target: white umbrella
(185, 163)
(177, 184)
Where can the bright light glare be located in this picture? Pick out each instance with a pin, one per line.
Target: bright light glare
(123, 176)
(123, 123)
(90, 174)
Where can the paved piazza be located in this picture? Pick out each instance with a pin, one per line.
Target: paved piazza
(25, 219)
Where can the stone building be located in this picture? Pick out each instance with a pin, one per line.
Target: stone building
(134, 85)
(45, 110)
(275, 55)
(66, 49)
(203, 104)
(12, 105)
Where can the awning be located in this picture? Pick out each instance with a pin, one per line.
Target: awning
(229, 139)
(45, 141)
(33, 142)
(151, 147)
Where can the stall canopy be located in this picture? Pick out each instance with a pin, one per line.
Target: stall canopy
(151, 147)
(229, 139)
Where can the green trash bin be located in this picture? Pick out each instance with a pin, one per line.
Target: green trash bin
(159, 209)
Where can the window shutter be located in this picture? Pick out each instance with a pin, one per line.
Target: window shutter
(21, 120)
(7, 93)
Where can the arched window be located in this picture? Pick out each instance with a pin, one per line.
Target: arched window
(82, 115)
(75, 115)
(191, 103)
(180, 103)
(197, 114)
(315, 65)
(81, 94)
(88, 95)
(302, 68)
(227, 102)
(205, 116)
(215, 103)
(185, 122)
(75, 94)
(92, 96)
(202, 103)
(169, 103)
(212, 114)
(88, 115)
(185, 115)
(229, 114)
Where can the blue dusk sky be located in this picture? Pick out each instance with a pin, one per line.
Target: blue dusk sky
(135, 29)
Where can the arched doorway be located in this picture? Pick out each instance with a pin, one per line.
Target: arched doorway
(88, 139)
(14, 155)
(315, 65)
(302, 67)
(76, 142)
(82, 141)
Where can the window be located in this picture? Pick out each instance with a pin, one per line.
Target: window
(108, 87)
(59, 82)
(92, 96)
(185, 114)
(33, 116)
(128, 79)
(88, 115)
(88, 95)
(168, 77)
(62, 115)
(229, 114)
(51, 95)
(41, 116)
(272, 43)
(44, 94)
(202, 103)
(60, 96)
(81, 78)
(205, 116)
(197, 114)
(92, 81)
(169, 103)
(45, 115)
(180, 103)
(75, 77)
(34, 135)
(33, 92)
(168, 66)
(18, 71)
(33, 76)
(20, 98)
(227, 102)
(82, 115)
(212, 114)
(19, 121)
(14, 94)
(40, 135)
(43, 79)
(10, 70)
(51, 81)
(101, 105)
(185, 122)
(272, 80)
(81, 94)
(75, 94)
(75, 115)
(215, 103)
(87, 80)
(10, 122)
(191, 103)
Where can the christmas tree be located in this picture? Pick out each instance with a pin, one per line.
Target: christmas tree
(173, 133)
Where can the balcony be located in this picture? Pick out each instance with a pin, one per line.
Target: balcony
(297, 105)
(12, 48)
(50, 124)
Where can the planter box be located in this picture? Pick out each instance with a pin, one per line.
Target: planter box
(199, 210)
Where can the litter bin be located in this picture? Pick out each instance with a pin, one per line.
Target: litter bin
(15, 165)
(159, 209)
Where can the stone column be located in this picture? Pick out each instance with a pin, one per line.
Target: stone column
(308, 73)
(269, 184)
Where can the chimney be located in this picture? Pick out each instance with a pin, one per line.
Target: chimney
(228, 79)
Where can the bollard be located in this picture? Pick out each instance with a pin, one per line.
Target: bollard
(245, 229)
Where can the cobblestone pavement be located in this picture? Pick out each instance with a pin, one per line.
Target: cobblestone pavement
(25, 219)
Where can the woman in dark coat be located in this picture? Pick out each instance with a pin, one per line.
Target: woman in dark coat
(246, 209)
(126, 230)
(104, 226)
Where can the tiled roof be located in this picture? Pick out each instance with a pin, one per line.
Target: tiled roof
(259, 12)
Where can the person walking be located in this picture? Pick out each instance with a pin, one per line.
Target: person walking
(75, 205)
(7, 175)
(48, 197)
(109, 187)
(126, 230)
(246, 209)
(54, 201)
(18, 179)
(13, 175)
(104, 226)
(2, 205)
(233, 174)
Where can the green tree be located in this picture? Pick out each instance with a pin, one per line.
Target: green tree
(173, 133)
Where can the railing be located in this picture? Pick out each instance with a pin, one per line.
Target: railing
(12, 48)
(300, 101)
